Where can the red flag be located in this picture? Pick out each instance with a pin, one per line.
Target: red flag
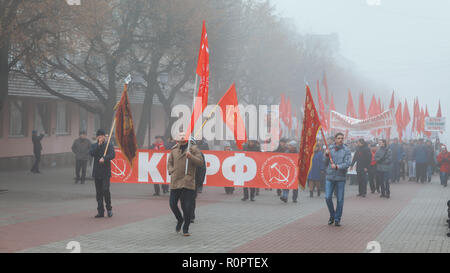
(323, 119)
(398, 119)
(125, 136)
(289, 114)
(362, 107)
(421, 121)
(311, 126)
(392, 105)
(415, 117)
(427, 133)
(439, 112)
(332, 107)
(373, 107)
(325, 84)
(351, 112)
(202, 71)
(406, 116)
(232, 117)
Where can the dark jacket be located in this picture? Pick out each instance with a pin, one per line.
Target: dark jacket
(37, 146)
(383, 157)
(362, 157)
(317, 166)
(102, 170)
(200, 173)
(342, 157)
(420, 153)
(80, 148)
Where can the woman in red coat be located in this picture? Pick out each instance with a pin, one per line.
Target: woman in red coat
(443, 160)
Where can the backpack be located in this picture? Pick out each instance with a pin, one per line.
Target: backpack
(200, 173)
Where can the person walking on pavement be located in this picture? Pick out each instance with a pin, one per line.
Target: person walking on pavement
(420, 154)
(292, 149)
(443, 160)
(37, 149)
(159, 146)
(200, 174)
(383, 157)
(411, 161)
(102, 172)
(251, 146)
(80, 148)
(227, 147)
(373, 170)
(182, 186)
(341, 158)
(315, 174)
(430, 160)
(362, 158)
(282, 148)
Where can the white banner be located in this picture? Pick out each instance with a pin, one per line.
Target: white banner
(381, 121)
(435, 124)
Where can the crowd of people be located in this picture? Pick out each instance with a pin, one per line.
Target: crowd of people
(376, 164)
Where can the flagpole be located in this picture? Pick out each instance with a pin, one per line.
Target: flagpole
(109, 137)
(193, 105)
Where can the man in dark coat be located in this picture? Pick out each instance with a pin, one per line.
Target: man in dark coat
(362, 158)
(80, 148)
(37, 148)
(251, 146)
(420, 154)
(102, 172)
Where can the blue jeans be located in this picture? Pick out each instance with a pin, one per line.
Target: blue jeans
(429, 172)
(285, 194)
(383, 182)
(329, 189)
(444, 178)
(412, 168)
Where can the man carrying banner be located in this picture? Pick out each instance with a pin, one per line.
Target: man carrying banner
(182, 186)
(341, 159)
(102, 154)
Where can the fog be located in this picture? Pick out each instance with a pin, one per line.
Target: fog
(402, 45)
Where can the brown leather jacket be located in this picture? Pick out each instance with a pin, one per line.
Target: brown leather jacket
(176, 167)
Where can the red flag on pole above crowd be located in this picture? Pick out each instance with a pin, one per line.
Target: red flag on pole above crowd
(392, 104)
(427, 133)
(201, 100)
(125, 135)
(323, 119)
(362, 107)
(325, 84)
(406, 119)
(311, 126)
(439, 112)
(288, 114)
(398, 119)
(232, 117)
(351, 112)
(373, 107)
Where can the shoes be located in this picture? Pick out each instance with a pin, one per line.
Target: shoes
(192, 221)
(387, 196)
(311, 194)
(110, 214)
(186, 234)
(330, 221)
(283, 199)
(337, 224)
(82, 182)
(252, 199)
(295, 201)
(363, 195)
(244, 199)
(178, 227)
(382, 196)
(99, 215)
(156, 194)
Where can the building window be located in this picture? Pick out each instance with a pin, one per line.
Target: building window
(16, 118)
(83, 119)
(42, 118)
(62, 118)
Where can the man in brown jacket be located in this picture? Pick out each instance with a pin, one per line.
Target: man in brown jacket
(182, 186)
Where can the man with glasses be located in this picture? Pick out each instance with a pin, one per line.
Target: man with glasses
(337, 160)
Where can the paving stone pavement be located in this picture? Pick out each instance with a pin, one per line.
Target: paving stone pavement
(53, 211)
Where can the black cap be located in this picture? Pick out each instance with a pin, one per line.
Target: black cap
(101, 132)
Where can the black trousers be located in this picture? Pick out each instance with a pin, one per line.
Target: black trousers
(186, 198)
(81, 165)
(103, 194)
(37, 159)
(361, 176)
(252, 193)
(371, 174)
(165, 188)
(421, 172)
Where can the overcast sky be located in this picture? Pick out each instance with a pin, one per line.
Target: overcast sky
(402, 44)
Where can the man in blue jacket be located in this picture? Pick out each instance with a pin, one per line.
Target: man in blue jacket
(420, 154)
(102, 172)
(341, 159)
(315, 173)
